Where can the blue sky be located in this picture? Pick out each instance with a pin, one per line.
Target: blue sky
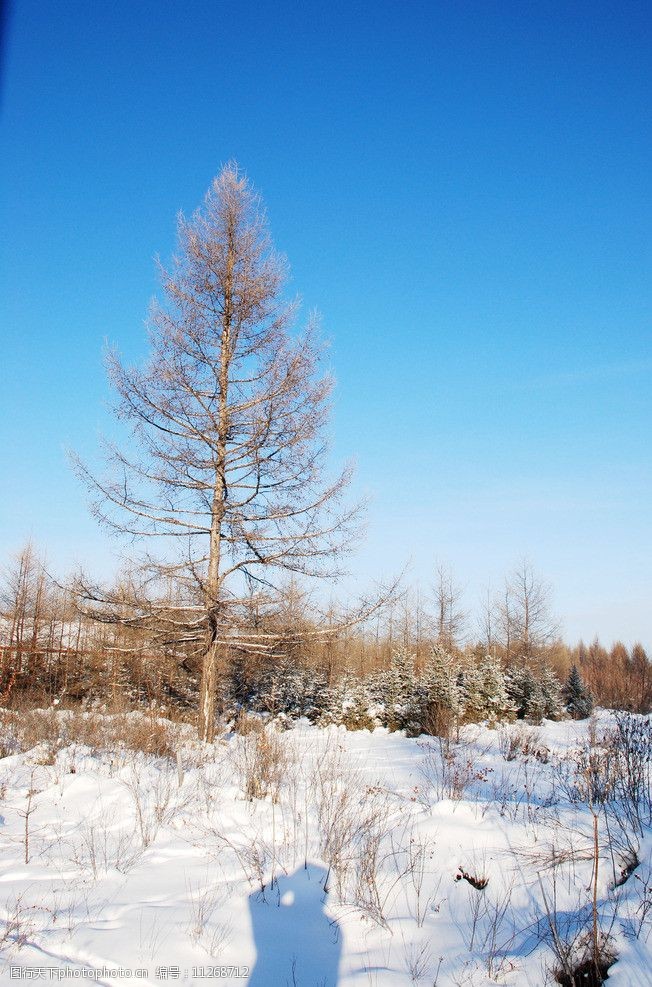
(463, 191)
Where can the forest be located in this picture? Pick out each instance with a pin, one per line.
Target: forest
(411, 665)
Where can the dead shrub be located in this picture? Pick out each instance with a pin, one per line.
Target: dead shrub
(627, 864)
(18, 925)
(246, 723)
(51, 730)
(521, 742)
(147, 734)
(448, 770)
(261, 762)
(9, 737)
(579, 967)
(352, 820)
(88, 729)
(583, 950)
(439, 721)
(630, 744)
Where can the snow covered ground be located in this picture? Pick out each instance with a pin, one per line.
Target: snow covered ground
(316, 857)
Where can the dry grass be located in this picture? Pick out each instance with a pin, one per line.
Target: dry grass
(48, 731)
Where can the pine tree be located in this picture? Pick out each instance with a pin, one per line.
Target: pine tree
(399, 690)
(488, 693)
(289, 689)
(443, 694)
(552, 694)
(348, 703)
(468, 684)
(579, 701)
(535, 695)
(520, 684)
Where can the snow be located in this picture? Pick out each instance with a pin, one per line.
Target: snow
(347, 871)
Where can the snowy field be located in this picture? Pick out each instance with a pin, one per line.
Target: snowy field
(319, 857)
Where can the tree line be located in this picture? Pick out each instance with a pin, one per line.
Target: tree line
(54, 649)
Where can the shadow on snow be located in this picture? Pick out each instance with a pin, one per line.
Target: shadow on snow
(296, 943)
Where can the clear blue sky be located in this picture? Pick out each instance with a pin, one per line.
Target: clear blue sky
(462, 189)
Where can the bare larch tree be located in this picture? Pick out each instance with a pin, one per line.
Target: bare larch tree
(229, 458)
(526, 617)
(450, 617)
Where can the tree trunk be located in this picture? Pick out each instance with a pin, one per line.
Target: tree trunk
(208, 689)
(210, 667)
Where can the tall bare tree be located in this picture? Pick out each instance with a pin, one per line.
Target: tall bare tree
(526, 616)
(229, 457)
(450, 618)
(488, 620)
(23, 607)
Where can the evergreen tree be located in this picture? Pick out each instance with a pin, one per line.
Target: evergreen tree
(348, 702)
(400, 693)
(521, 685)
(288, 688)
(579, 701)
(552, 694)
(487, 692)
(534, 695)
(444, 701)
(468, 684)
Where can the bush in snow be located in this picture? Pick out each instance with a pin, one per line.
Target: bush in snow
(631, 744)
(261, 760)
